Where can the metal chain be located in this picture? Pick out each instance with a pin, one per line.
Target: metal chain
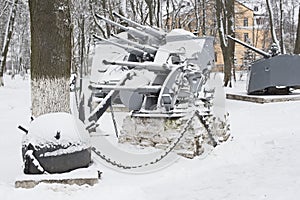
(114, 119)
(196, 113)
(166, 152)
(207, 128)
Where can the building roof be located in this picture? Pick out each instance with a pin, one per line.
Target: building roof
(244, 4)
(258, 6)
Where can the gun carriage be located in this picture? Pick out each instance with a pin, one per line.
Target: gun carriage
(160, 78)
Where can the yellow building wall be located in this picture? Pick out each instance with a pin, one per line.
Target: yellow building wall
(258, 37)
(242, 13)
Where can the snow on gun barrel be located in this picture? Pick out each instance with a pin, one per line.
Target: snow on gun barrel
(55, 143)
(160, 91)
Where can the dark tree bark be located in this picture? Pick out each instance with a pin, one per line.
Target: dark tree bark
(297, 45)
(282, 47)
(225, 20)
(150, 8)
(50, 56)
(159, 16)
(204, 17)
(167, 23)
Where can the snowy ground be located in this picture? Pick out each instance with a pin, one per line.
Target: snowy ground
(261, 161)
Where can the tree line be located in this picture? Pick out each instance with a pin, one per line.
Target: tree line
(165, 14)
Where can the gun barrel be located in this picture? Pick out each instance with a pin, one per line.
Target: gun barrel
(132, 50)
(264, 54)
(145, 48)
(145, 65)
(112, 22)
(146, 29)
(134, 32)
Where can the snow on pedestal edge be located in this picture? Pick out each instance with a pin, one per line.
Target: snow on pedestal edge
(83, 176)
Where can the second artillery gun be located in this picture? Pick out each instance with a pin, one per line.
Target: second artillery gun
(274, 73)
(162, 79)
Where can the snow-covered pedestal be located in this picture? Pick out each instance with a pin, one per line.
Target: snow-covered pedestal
(57, 149)
(55, 143)
(162, 133)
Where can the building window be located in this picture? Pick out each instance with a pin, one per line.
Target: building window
(246, 37)
(259, 21)
(245, 21)
(255, 8)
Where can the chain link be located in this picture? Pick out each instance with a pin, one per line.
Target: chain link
(208, 128)
(195, 113)
(114, 119)
(162, 156)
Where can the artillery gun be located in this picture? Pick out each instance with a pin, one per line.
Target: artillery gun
(165, 82)
(272, 74)
(144, 35)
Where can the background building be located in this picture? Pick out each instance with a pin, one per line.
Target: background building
(251, 26)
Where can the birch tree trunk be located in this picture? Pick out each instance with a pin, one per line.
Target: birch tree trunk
(4, 15)
(297, 45)
(50, 56)
(7, 39)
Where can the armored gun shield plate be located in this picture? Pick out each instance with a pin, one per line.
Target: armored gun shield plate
(279, 71)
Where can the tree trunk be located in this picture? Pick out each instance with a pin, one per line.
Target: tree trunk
(167, 23)
(10, 29)
(271, 18)
(82, 51)
(225, 17)
(204, 17)
(197, 17)
(4, 15)
(50, 56)
(173, 15)
(122, 7)
(133, 9)
(150, 8)
(282, 47)
(108, 32)
(159, 14)
(297, 45)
